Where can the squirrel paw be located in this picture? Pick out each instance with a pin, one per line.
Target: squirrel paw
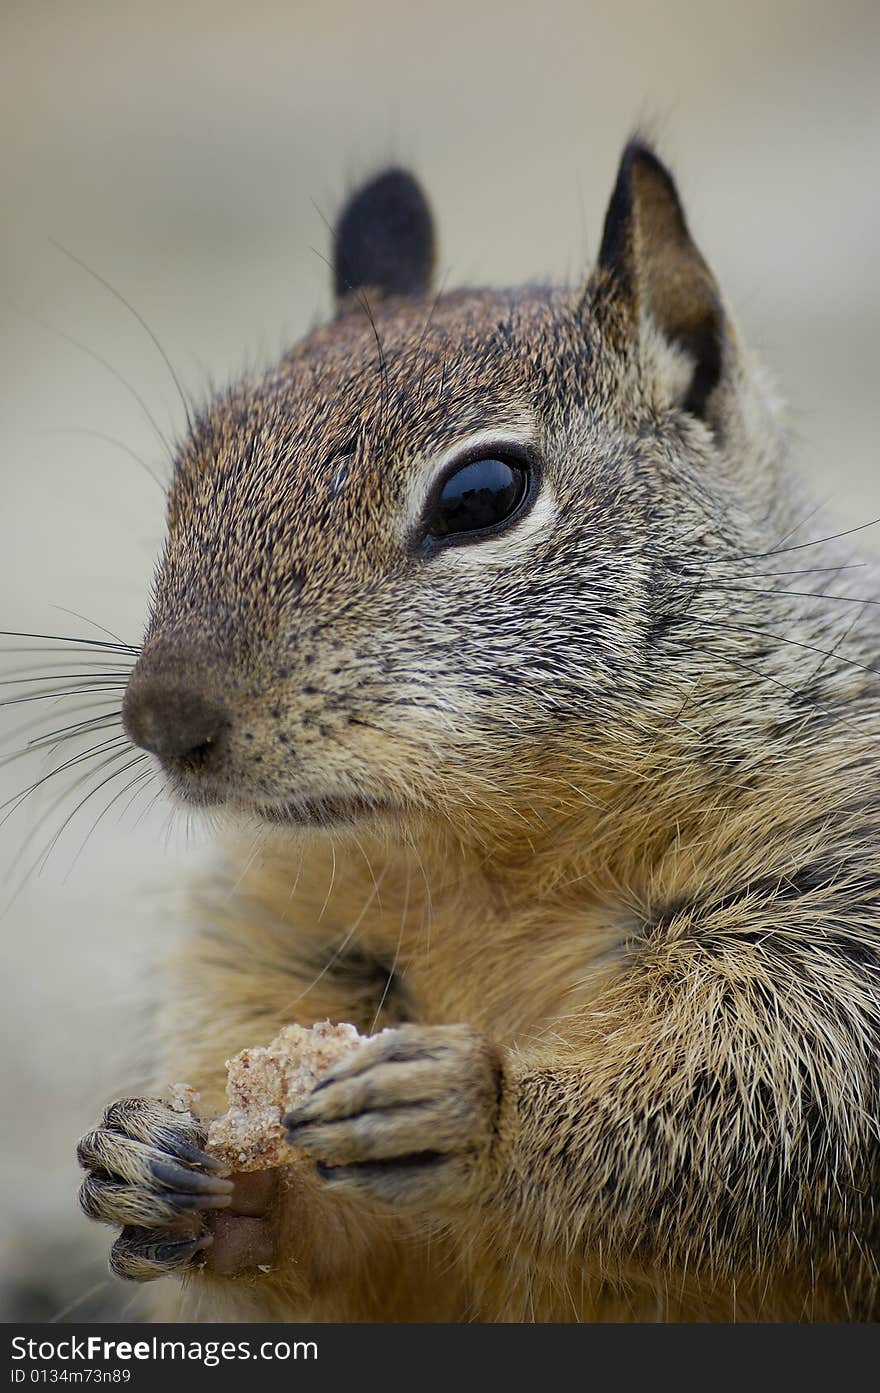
(147, 1173)
(409, 1120)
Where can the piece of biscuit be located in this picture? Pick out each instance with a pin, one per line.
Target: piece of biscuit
(264, 1083)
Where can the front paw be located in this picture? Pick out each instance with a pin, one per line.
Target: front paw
(410, 1119)
(147, 1173)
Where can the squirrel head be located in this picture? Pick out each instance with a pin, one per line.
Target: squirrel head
(425, 566)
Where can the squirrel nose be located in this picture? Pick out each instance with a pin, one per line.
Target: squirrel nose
(170, 719)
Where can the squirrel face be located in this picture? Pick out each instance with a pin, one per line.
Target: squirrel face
(432, 544)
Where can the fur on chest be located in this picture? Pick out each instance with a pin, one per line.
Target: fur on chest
(379, 949)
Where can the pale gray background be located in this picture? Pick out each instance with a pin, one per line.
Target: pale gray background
(179, 149)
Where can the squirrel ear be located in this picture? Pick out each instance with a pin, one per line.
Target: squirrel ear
(652, 262)
(384, 238)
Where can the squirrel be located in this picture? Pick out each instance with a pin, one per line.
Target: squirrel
(487, 611)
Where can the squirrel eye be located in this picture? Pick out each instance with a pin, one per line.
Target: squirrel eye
(478, 497)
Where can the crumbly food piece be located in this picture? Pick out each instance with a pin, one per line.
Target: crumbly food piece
(182, 1098)
(264, 1083)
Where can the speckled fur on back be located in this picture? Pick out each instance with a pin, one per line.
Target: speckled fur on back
(586, 808)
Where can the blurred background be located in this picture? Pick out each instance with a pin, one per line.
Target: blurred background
(189, 153)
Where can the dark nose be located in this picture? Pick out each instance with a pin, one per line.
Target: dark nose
(164, 714)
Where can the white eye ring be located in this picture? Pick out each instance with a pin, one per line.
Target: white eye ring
(510, 449)
(513, 539)
(478, 497)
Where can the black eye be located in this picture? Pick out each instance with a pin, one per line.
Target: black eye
(478, 497)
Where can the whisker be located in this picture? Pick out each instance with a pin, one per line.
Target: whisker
(151, 775)
(424, 334)
(102, 362)
(42, 860)
(843, 638)
(138, 779)
(145, 811)
(810, 570)
(340, 949)
(384, 386)
(52, 741)
(803, 522)
(295, 885)
(428, 917)
(41, 822)
(77, 728)
(799, 695)
(369, 866)
(256, 847)
(73, 711)
(95, 666)
(67, 692)
(813, 570)
(169, 826)
(332, 881)
(361, 297)
(44, 856)
(800, 546)
(803, 594)
(139, 317)
(17, 798)
(779, 638)
(78, 1301)
(85, 643)
(94, 624)
(108, 440)
(396, 958)
(64, 677)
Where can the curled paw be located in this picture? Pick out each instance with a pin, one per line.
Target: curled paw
(141, 1255)
(147, 1173)
(409, 1119)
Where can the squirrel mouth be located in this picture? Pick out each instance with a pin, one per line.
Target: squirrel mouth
(324, 812)
(306, 811)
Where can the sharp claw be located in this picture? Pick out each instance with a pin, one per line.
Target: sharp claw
(135, 1258)
(176, 1252)
(201, 1201)
(376, 1170)
(326, 1082)
(187, 1181)
(193, 1155)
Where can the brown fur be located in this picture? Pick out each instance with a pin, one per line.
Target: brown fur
(611, 793)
